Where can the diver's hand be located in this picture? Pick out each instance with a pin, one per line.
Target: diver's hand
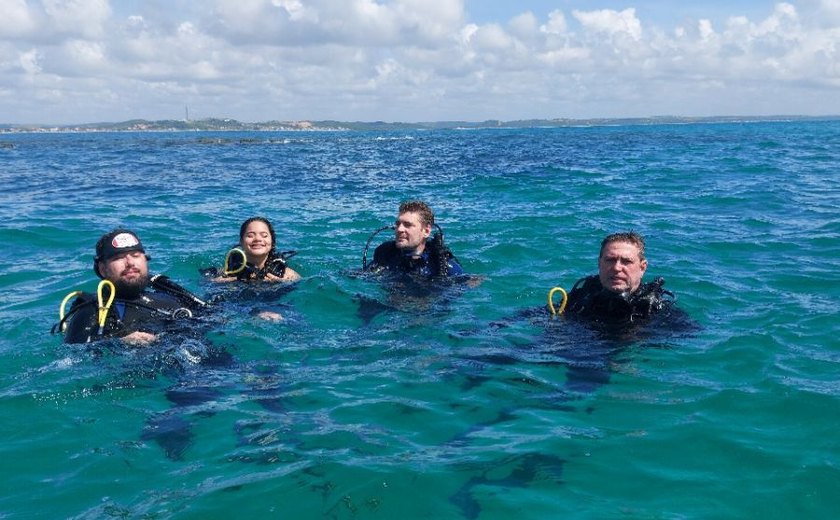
(139, 338)
(270, 316)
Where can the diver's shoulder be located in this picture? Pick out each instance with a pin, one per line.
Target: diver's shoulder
(389, 246)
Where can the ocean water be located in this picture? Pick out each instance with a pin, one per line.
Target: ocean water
(369, 403)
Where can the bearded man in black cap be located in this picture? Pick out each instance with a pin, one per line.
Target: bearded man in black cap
(124, 307)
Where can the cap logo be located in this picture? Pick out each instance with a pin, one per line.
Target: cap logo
(124, 240)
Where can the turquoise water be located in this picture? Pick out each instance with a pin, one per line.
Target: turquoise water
(445, 405)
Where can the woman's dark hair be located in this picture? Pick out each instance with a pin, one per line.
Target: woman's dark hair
(244, 226)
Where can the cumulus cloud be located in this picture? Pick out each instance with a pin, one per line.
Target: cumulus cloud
(78, 17)
(556, 23)
(17, 20)
(30, 61)
(351, 22)
(611, 22)
(408, 60)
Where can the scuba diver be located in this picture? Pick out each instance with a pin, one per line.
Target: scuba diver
(414, 265)
(608, 312)
(124, 307)
(412, 251)
(256, 259)
(256, 256)
(616, 295)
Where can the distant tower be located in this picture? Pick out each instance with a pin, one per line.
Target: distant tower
(186, 113)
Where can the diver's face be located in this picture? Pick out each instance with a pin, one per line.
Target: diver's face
(128, 271)
(411, 234)
(256, 241)
(619, 267)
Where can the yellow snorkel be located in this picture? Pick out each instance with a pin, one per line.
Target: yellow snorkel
(104, 306)
(555, 312)
(238, 269)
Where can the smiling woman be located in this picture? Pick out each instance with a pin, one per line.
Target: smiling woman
(256, 258)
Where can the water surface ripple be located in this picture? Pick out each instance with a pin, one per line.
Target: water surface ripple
(446, 405)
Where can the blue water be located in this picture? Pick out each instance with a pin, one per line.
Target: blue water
(445, 405)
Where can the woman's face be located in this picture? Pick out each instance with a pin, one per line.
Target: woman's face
(256, 241)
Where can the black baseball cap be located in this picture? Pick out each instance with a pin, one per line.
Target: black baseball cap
(116, 242)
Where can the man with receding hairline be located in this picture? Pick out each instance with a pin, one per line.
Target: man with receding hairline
(616, 294)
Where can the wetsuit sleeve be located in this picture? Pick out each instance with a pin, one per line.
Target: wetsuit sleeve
(453, 267)
(82, 324)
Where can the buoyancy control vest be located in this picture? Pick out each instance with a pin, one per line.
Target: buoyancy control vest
(150, 311)
(589, 299)
(436, 260)
(237, 265)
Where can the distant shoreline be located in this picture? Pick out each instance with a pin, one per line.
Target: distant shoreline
(232, 125)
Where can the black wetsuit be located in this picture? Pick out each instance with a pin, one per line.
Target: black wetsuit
(436, 260)
(149, 312)
(275, 265)
(590, 300)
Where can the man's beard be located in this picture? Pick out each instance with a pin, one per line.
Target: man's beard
(130, 289)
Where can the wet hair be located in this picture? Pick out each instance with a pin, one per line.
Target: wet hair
(631, 237)
(265, 221)
(427, 216)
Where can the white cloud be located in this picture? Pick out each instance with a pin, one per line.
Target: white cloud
(86, 18)
(352, 22)
(524, 26)
(407, 60)
(556, 23)
(822, 13)
(611, 22)
(296, 10)
(467, 33)
(705, 29)
(85, 56)
(491, 38)
(16, 20)
(30, 61)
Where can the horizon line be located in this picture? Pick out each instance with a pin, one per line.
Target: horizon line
(442, 121)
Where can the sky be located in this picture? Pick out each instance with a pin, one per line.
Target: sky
(86, 61)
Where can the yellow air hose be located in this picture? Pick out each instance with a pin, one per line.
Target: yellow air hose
(227, 270)
(104, 306)
(63, 305)
(555, 312)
